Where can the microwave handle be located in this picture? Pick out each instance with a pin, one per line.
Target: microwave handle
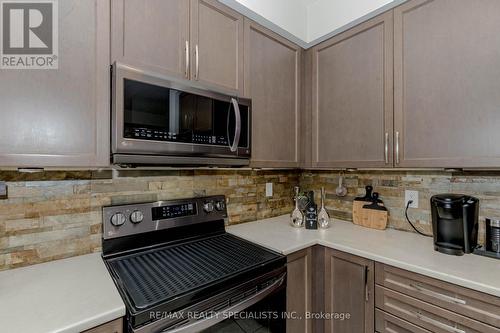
(237, 132)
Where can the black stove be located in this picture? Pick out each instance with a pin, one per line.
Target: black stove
(177, 269)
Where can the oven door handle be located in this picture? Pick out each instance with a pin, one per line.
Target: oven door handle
(237, 132)
(214, 318)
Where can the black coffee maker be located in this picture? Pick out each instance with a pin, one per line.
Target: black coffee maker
(454, 223)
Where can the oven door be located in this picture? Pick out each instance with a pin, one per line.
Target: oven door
(156, 115)
(257, 306)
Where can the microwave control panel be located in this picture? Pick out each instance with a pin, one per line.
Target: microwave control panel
(159, 135)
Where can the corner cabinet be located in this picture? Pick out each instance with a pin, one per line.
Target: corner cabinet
(447, 70)
(272, 81)
(349, 289)
(352, 103)
(61, 117)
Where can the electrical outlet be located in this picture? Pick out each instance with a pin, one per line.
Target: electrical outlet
(413, 196)
(269, 190)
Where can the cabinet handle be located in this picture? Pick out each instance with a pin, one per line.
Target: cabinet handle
(197, 63)
(397, 147)
(439, 324)
(367, 293)
(437, 295)
(386, 148)
(186, 70)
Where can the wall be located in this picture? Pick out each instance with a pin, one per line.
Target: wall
(392, 184)
(54, 215)
(287, 14)
(325, 16)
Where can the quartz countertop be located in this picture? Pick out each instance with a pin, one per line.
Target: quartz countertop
(68, 295)
(405, 250)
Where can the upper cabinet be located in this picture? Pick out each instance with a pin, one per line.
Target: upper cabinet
(217, 45)
(352, 100)
(272, 81)
(151, 34)
(61, 117)
(199, 40)
(447, 83)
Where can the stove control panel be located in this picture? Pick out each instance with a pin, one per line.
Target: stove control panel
(126, 220)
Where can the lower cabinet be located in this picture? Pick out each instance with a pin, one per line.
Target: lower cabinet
(349, 294)
(410, 302)
(299, 288)
(349, 283)
(115, 326)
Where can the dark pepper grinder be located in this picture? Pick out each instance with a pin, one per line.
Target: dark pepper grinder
(311, 213)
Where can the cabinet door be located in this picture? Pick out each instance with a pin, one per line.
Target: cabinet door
(447, 70)
(272, 81)
(349, 284)
(217, 45)
(115, 326)
(298, 294)
(151, 34)
(352, 97)
(61, 117)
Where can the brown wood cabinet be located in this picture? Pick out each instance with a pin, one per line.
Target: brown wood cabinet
(198, 40)
(387, 323)
(352, 97)
(61, 117)
(217, 45)
(299, 288)
(272, 81)
(432, 304)
(115, 326)
(349, 286)
(446, 83)
(151, 34)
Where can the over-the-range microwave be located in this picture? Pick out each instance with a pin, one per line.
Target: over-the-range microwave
(159, 120)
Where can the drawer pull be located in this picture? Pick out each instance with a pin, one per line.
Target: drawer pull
(439, 324)
(437, 295)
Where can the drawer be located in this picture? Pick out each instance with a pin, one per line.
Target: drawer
(467, 302)
(115, 326)
(387, 323)
(428, 316)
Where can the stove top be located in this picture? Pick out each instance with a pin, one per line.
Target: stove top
(161, 274)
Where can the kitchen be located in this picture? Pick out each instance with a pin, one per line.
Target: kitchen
(249, 166)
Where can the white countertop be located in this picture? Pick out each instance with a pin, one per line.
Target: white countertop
(405, 250)
(69, 295)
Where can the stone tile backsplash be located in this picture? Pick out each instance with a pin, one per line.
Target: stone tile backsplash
(55, 215)
(391, 186)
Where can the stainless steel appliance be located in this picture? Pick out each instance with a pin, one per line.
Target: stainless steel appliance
(177, 270)
(158, 120)
(493, 235)
(455, 223)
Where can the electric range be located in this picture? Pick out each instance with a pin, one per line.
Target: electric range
(177, 269)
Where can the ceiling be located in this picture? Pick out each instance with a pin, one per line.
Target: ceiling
(308, 22)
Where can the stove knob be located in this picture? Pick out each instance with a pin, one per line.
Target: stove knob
(136, 217)
(220, 205)
(208, 207)
(118, 219)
